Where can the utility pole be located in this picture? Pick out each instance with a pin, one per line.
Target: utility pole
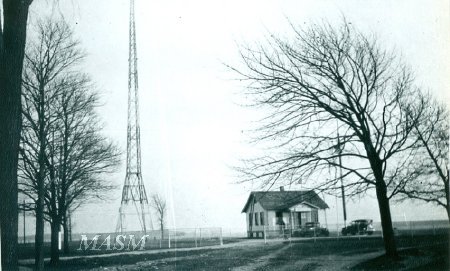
(342, 182)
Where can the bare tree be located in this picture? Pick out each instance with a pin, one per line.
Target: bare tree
(63, 156)
(326, 89)
(428, 173)
(13, 27)
(160, 206)
(46, 62)
(85, 156)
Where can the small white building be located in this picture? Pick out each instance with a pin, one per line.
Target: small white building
(269, 212)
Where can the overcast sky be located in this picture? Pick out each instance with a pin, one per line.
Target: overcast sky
(192, 128)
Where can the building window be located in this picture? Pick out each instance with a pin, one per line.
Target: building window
(256, 219)
(261, 217)
(250, 219)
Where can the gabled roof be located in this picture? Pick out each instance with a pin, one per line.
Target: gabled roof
(282, 200)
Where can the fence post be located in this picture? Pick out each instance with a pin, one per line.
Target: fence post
(221, 239)
(200, 239)
(337, 230)
(434, 229)
(195, 236)
(175, 236)
(168, 232)
(410, 229)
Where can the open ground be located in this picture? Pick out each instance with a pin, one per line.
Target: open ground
(351, 253)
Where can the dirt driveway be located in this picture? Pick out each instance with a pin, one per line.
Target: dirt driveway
(285, 258)
(237, 259)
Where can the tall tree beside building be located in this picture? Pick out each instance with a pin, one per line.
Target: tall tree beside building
(328, 88)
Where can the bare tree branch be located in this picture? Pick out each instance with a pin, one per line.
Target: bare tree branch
(428, 174)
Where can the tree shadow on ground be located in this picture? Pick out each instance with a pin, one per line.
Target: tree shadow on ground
(435, 257)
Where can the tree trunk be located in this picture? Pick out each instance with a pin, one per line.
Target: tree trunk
(8, 195)
(39, 236)
(386, 221)
(66, 234)
(162, 231)
(54, 250)
(447, 195)
(448, 211)
(8, 202)
(55, 222)
(383, 203)
(12, 46)
(64, 210)
(447, 208)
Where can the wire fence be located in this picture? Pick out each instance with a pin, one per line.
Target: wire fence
(198, 237)
(155, 239)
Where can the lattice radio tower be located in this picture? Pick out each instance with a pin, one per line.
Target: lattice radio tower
(134, 197)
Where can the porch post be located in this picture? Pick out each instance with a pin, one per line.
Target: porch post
(265, 237)
(291, 221)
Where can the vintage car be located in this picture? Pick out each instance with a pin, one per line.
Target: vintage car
(311, 229)
(359, 226)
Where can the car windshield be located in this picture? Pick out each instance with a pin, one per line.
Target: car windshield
(361, 222)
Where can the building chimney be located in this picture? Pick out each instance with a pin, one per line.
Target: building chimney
(282, 188)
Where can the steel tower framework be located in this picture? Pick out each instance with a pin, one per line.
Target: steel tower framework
(134, 196)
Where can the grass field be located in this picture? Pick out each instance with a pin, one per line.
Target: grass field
(366, 253)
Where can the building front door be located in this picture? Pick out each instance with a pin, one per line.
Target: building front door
(303, 217)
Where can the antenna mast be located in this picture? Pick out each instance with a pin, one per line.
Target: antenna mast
(133, 193)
